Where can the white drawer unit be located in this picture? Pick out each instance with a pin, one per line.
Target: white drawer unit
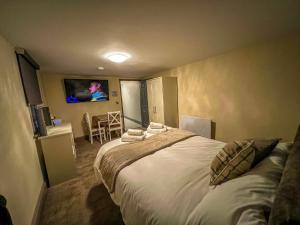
(59, 153)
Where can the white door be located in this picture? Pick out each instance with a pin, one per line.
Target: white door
(155, 100)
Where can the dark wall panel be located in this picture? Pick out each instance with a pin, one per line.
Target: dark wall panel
(30, 81)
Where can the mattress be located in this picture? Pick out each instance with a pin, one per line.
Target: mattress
(171, 186)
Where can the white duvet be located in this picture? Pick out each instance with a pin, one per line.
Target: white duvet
(170, 187)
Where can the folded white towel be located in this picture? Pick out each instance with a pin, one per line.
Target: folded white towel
(156, 131)
(135, 132)
(132, 138)
(156, 125)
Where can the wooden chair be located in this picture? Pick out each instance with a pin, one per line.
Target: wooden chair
(114, 122)
(92, 131)
(101, 132)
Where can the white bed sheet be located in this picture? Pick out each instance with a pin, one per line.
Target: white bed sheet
(104, 148)
(171, 186)
(161, 188)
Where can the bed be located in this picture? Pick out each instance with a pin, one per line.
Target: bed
(171, 186)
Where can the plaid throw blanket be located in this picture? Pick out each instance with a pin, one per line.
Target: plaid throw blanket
(123, 155)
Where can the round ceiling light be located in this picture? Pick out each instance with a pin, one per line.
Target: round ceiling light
(100, 68)
(117, 57)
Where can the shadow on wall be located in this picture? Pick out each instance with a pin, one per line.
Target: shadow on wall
(85, 127)
(213, 130)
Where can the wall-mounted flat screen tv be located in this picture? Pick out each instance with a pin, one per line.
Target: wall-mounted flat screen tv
(82, 90)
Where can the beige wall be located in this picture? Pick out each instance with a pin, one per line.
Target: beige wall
(54, 93)
(249, 92)
(20, 174)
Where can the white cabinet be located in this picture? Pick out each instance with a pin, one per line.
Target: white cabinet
(155, 100)
(162, 100)
(59, 152)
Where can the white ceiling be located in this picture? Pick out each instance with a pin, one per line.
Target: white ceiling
(71, 36)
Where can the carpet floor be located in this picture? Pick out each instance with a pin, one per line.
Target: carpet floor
(81, 201)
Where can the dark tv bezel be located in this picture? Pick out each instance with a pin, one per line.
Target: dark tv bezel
(85, 101)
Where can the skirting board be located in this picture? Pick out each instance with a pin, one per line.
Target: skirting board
(39, 205)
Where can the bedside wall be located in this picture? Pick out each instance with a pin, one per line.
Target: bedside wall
(20, 174)
(249, 92)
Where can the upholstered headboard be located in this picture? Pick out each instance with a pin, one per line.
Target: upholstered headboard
(196, 125)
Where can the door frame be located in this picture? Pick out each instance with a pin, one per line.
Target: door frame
(122, 99)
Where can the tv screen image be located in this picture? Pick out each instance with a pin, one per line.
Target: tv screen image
(82, 90)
